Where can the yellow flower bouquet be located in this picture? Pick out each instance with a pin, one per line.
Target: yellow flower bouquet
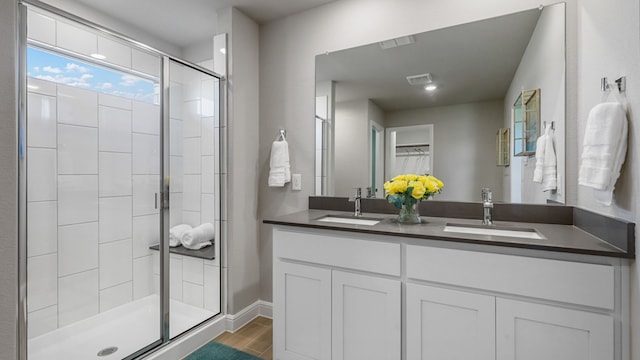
(405, 191)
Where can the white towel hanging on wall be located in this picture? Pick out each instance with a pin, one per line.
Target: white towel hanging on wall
(546, 171)
(279, 167)
(604, 149)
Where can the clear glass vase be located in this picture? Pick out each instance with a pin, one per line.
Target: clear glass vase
(409, 214)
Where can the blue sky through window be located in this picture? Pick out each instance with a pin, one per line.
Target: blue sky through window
(63, 70)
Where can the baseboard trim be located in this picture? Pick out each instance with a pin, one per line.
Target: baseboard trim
(202, 334)
(244, 316)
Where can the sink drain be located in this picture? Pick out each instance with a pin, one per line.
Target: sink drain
(107, 351)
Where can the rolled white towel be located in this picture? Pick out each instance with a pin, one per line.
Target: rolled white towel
(176, 232)
(198, 237)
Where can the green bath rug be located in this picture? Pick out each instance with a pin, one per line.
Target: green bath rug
(217, 351)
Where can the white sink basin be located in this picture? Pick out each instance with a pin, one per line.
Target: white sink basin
(349, 220)
(493, 231)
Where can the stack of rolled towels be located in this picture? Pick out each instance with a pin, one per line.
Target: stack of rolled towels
(192, 238)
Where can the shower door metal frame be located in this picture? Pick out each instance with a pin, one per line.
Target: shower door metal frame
(165, 59)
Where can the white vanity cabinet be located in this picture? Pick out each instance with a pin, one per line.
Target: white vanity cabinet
(507, 307)
(346, 296)
(335, 297)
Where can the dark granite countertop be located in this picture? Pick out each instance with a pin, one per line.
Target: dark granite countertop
(557, 237)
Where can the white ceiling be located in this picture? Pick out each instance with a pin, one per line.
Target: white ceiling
(469, 63)
(186, 22)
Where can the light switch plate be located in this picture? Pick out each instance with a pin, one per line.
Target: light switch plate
(296, 181)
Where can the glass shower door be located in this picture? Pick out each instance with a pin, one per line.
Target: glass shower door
(194, 219)
(93, 172)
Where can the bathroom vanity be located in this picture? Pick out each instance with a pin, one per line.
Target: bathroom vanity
(391, 291)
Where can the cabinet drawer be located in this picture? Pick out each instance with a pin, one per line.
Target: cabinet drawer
(355, 252)
(556, 280)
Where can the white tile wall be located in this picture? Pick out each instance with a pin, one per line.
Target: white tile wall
(176, 140)
(146, 154)
(146, 232)
(114, 51)
(116, 296)
(115, 174)
(78, 199)
(208, 208)
(144, 281)
(208, 175)
(115, 218)
(191, 159)
(192, 270)
(211, 287)
(43, 170)
(76, 39)
(146, 118)
(114, 101)
(208, 130)
(77, 248)
(176, 100)
(145, 62)
(41, 127)
(115, 129)
(191, 119)
(191, 200)
(207, 97)
(41, 27)
(77, 106)
(42, 87)
(175, 210)
(176, 170)
(42, 228)
(116, 266)
(78, 297)
(144, 189)
(175, 277)
(191, 217)
(193, 294)
(42, 321)
(42, 272)
(77, 150)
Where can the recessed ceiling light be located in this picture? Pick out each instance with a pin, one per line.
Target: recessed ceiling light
(431, 87)
(98, 56)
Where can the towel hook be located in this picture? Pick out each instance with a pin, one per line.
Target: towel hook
(552, 123)
(282, 133)
(621, 82)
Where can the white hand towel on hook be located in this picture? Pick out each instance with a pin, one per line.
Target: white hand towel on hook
(604, 149)
(279, 168)
(198, 237)
(546, 163)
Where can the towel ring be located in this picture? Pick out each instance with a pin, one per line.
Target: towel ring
(620, 82)
(282, 133)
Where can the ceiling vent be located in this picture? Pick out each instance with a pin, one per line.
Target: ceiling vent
(404, 40)
(421, 79)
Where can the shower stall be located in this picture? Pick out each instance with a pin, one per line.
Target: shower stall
(119, 143)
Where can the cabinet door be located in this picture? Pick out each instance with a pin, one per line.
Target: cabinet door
(449, 324)
(528, 331)
(366, 316)
(301, 312)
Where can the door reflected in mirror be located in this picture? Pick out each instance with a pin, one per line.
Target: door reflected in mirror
(461, 81)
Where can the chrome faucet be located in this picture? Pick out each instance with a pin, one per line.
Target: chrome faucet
(356, 199)
(371, 192)
(487, 207)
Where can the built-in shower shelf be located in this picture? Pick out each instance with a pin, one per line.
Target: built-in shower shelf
(207, 253)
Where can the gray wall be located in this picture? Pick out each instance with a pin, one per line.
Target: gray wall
(351, 146)
(241, 195)
(464, 146)
(537, 72)
(8, 182)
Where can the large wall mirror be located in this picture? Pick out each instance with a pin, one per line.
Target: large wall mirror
(458, 82)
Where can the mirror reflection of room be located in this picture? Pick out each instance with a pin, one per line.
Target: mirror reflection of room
(462, 81)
